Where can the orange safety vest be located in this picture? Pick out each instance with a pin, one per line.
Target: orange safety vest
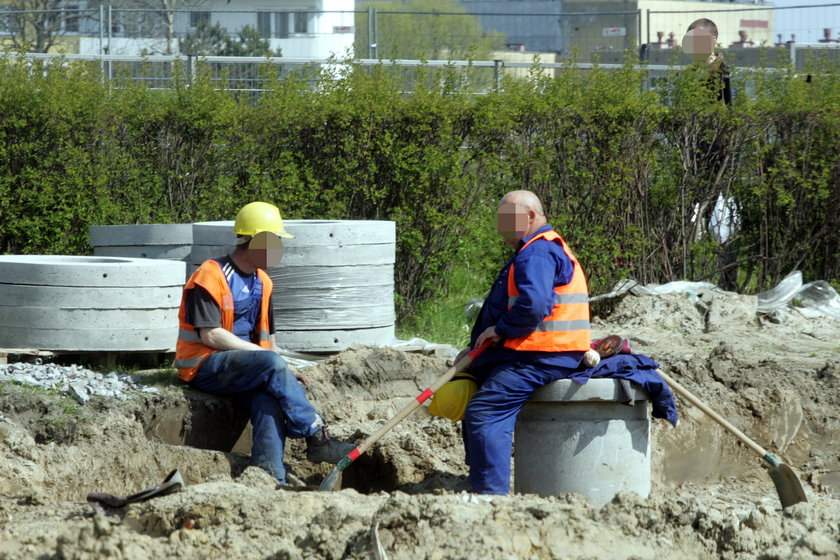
(190, 351)
(566, 328)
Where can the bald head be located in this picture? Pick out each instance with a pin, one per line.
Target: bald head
(520, 215)
(526, 199)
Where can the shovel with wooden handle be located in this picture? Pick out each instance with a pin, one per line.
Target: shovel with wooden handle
(787, 483)
(329, 482)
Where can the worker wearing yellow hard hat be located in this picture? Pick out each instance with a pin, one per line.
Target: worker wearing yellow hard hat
(226, 343)
(258, 217)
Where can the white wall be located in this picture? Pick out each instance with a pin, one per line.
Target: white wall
(327, 34)
(728, 23)
(125, 46)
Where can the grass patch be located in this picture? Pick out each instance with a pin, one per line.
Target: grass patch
(49, 414)
(442, 320)
(475, 262)
(165, 377)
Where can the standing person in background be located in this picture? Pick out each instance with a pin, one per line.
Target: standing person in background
(538, 310)
(700, 42)
(226, 344)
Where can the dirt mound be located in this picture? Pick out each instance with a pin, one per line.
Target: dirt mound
(712, 498)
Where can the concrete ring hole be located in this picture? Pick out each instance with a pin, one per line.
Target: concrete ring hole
(372, 473)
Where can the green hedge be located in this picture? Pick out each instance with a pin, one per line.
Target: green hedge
(620, 169)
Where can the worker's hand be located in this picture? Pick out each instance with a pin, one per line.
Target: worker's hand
(462, 353)
(488, 334)
(714, 60)
(299, 376)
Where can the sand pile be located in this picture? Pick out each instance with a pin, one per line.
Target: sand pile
(777, 380)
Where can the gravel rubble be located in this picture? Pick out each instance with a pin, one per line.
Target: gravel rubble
(75, 380)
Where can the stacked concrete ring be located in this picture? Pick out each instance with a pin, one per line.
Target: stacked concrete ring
(75, 303)
(335, 285)
(143, 241)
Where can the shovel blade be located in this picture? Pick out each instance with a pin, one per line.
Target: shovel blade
(788, 485)
(328, 484)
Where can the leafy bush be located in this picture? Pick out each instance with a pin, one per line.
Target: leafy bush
(629, 177)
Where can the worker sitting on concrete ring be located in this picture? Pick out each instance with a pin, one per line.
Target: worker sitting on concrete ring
(538, 307)
(226, 344)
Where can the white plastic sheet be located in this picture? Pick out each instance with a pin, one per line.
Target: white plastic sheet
(676, 287)
(818, 298)
(812, 300)
(778, 297)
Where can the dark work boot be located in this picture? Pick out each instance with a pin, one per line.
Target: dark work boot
(323, 447)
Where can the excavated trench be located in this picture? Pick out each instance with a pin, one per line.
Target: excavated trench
(203, 421)
(711, 498)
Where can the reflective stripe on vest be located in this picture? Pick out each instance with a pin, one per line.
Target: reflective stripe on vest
(189, 336)
(181, 364)
(567, 327)
(560, 300)
(575, 325)
(190, 350)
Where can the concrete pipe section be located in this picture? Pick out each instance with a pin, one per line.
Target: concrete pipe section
(335, 340)
(144, 241)
(335, 285)
(71, 303)
(583, 439)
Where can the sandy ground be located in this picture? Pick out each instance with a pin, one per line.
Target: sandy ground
(776, 378)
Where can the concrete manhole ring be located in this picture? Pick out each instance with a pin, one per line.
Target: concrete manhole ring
(76, 303)
(141, 234)
(334, 340)
(308, 233)
(64, 270)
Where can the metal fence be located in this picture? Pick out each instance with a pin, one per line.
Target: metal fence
(583, 34)
(368, 33)
(156, 47)
(252, 75)
(404, 34)
(741, 26)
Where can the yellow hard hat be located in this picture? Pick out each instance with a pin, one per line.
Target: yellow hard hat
(450, 401)
(258, 217)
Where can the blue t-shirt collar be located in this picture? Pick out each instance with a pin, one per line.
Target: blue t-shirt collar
(524, 240)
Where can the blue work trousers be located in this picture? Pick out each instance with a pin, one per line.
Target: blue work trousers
(262, 381)
(491, 417)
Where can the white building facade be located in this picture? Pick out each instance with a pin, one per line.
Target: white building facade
(296, 28)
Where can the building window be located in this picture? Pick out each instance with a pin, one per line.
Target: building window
(264, 24)
(301, 22)
(196, 18)
(281, 24)
(71, 19)
(8, 24)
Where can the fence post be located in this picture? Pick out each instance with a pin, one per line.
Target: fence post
(110, 31)
(101, 41)
(375, 33)
(647, 51)
(370, 32)
(190, 69)
(498, 72)
(639, 32)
